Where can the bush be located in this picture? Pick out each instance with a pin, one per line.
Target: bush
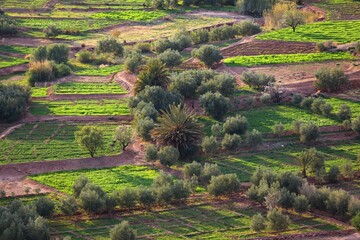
(277, 221)
(357, 47)
(184, 83)
(92, 198)
(40, 72)
(59, 53)
(247, 28)
(347, 171)
(231, 142)
(208, 54)
(355, 221)
(296, 125)
(316, 105)
(210, 145)
(257, 81)
(308, 132)
(223, 83)
(301, 204)
(7, 25)
(127, 197)
(68, 205)
(44, 207)
(143, 127)
(236, 125)
(338, 202)
(326, 109)
(278, 129)
(333, 174)
(181, 40)
(171, 58)
(180, 190)
(253, 7)
(320, 47)
(122, 231)
(222, 33)
(79, 184)
(209, 171)
(253, 138)
(161, 45)
(356, 125)
(145, 109)
(90, 138)
(307, 103)
(51, 31)
(296, 99)
(13, 101)
(214, 104)
(132, 62)
(109, 45)
(192, 169)
(151, 153)
(217, 130)
(265, 98)
(346, 124)
(168, 155)
(61, 70)
(344, 112)
(257, 223)
(146, 198)
(143, 47)
(39, 54)
(223, 184)
(199, 36)
(330, 80)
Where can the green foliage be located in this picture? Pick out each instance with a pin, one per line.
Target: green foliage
(217, 130)
(231, 142)
(13, 102)
(214, 104)
(257, 223)
(316, 104)
(132, 61)
(250, 61)
(123, 136)
(355, 221)
(192, 169)
(146, 198)
(301, 204)
(208, 54)
(247, 28)
(236, 125)
(330, 80)
(177, 127)
(171, 58)
(39, 54)
(356, 125)
(344, 112)
(168, 155)
(338, 202)
(52, 31)
(90, 138)
(68, 205)
(151, 152)
(84, 56)
(40, 72)
(326, 109)
(122, 231)
(333, 174)
(44, 207)
(223, 184)
(199, 36)
(307, 102)
(253, 138)
(59, 53)
(221, 33)
(130, 15)
(209, 171)
(210, 145)
(309, 132)
(92, 198)
(294, 18)
(277, 221)
(278, 129)
(257, 81)
(109, 45)
(143, 127)
(347, 171)
(8, 26)
(126, 197)
(253, 7)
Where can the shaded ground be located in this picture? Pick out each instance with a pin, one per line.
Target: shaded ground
(29, 42)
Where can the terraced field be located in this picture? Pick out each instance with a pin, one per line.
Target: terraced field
(88, 88)
(10, 61)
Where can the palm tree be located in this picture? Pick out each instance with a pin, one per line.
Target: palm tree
(177, 127)
(154, 74)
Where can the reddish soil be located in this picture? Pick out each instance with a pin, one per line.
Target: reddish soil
(30, 42)
(18, 68)
(259, 47)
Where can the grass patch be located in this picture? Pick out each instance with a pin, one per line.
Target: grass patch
(337, 31)
(15, 49)
(249, 61)
(39, 92)
(109, 178)
(80, 107)
(81, 69)
(132, 15)
(88, 88)
(11, 61)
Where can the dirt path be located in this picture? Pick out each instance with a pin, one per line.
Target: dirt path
(354, 236)
(10, 130)
(30, 42)
(18, 68)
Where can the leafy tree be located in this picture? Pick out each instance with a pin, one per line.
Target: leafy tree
(210, 145)
(171, 58)
(151, 152)
(293, 19)
(168, 155)
(217, 130)
(208, 54)
(143, 127)
(13, 101)
(257, 223)
(347, 171)
(68, 205)
(356, 125)
(247, 28)
(122, 231)
(257, 81)
(278, 129)
(330, 80)
(254, 7)
(123, 136)
(59, 53)
(308, 132)
(133, 61)
(109, 45)
(90, 138)
(223, 184)
(231, 142)
(338, 202)
(301, 204)
(92, 198)
(209, 170)
(180, 190)
(253, 138)
(344, 112)
(127, 197)
(44, 207)
(177, 127)
(39, 54)
(333, 174)
(79, 184)
(154, 74)
(199, 36)
(307, 158)
(146, 197)
(214, 104)
(236, 125)
(277, 221)
(192, 169)
(40, 72)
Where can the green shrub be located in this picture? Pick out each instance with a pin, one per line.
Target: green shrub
(330, 80)
(278, 129)
(52, 31)
(316, 105)
(68, 205)
(181, 40)
(223, 184)
(231, 142)
(143, 47)
(257, 81)
(7, 25)
(40, 72)
(307, 103)
(44, 207)
(338, 202)
(90, 138)
(192, 169)
(145, 109)
(122, 231)
(265, 98)
(143, 127)
(161, 45)
(168, 156)
(146, 197)
(333, 174)
(344, 112)
(217, 130)
(92, 198)
(326, 109)
(171, 58)
(308, 132)
(356, 125)
(127, 197)
(320, 47)
(253, 7)
(296, 126)
(84, 56)
(208, 54)
(247, 28)
(210, 145)
(253, 138)
(59, 53)
(236, 125)
(79, 184)
(39, 54)
(209, 171)
(13, 101)
(180, 190)
(199, 36)
(257, 223)
(185, 84)
(355, 221)
(296, 99)
(214, 104)
(347, 171)
(109, 45)
(61, 70)
(151, 152)
(277, 221)
(301, 204)
(132, 62)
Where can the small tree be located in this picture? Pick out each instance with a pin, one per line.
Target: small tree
(257, 81)
(330, 80)
(68, 205)
(171, 58)
(109, 45)
(347, 171)
(52, 31)
(231, 142)
(253, 138)
(301, 204)
(90, 138)
(209, 171)
(122, 231)
(278, 129)
(223, 184)
(217, 130)
(344, 112)
(277, 221)
(355, 221)
(168, 155)
(44, 207)
(356, 125)
(192, 169)
(151, 152)
(236, 125)
(210, 145)
(306, 158)
(214, 104)
(127, 197)
(308, 132)
(257, 223)
(59, 53)
(146, 198)
(293, 19)
(208, 54)
(333, 174)
(123, 136)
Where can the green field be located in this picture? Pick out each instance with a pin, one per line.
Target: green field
(109, 178)
(15, 49)
(92, 70)
(22, 3)
(10, 61)
(49, 141)
(80, 107)
(222, 221)
(133, 15)
(249, 61)
(337, 31)
(88, 88)
(285, 159)
(39, 92)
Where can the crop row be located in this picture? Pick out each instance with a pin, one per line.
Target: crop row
(88, 88)
(249, 61)
(11, 61)
(131, 15)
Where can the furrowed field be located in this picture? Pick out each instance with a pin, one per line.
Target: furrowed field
(109, 179)
(10, 61)
(50, 141)
(88, 88)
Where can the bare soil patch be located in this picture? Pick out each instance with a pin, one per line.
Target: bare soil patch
(30, 42)
(14, 69)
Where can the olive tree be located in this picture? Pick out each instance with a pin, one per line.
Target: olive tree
(208, 54)
(123, 136)
(122, 231)
(90, 138)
